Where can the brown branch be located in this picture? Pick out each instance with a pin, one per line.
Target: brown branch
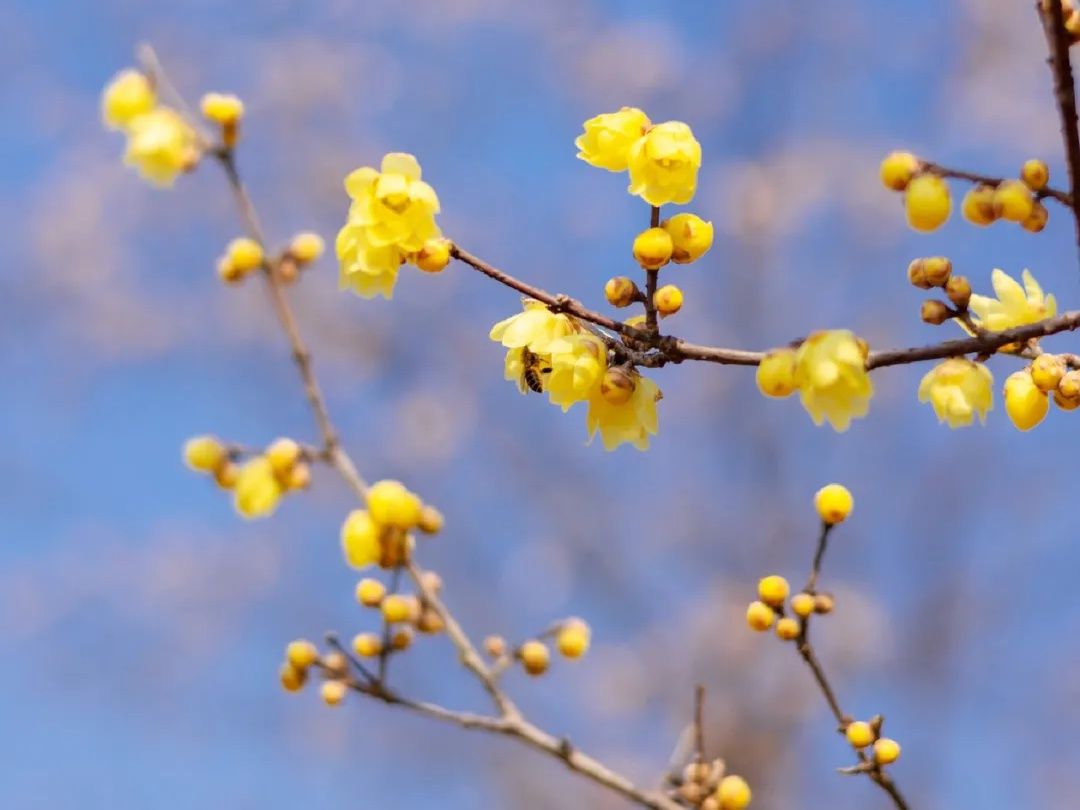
(819, 555)
(652, 278)
(1052, 15)
(699, 723)
(943, 171)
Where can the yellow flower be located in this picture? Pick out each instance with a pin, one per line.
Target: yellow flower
(664, 164)
(607, 138)
(691, 237)
(222, 108)
(392, 504)
(257, 489)
(128, 95)
(533, 328)
(205, 453)
(577, 362)
(830, 372)
(775, 374)
(1025, 404)
(306, 247)
(161, 145)
(1014, 305)
(958, 389)
(369, 271)
(360, 539)
(393, 206)
(572, 639)
(632, 421)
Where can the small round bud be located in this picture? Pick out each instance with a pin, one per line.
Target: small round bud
(773, 590)
(978, 206)
(653, 248)
(301, 654)
(958, 288)
(927, 202)
(1013, 201)
(402, 639)
(391, 504)
(227, 475)
(367, 645)
(1066, 403)
(430, 622)
(935, 312)
(335, 664)
(1047, 371)
(222, 108)
(292, 679)
(333, 692)
(244, 254)
(711, 803)
(787, 629)
(495, 646)
(916, 274)
(534, 657)
(432, 582)
(733, 793)
(886, 751)
(299, 477)
(282, 454)
(1069, 386)
(775, 374)
(398, 608)
(573, 638)
(228, 272)
(859, 734)
(617, 386)
(936, 270)
(668, 300)
(897, 170)
(802, 604)
(370, 592)
(760, 617)
(621, 291)
(129, 95)
(824, 603)
(691, 793)
(433, 256)
(691, 237)
(204, 454)
(306, 247)
(1037, 219)
(431, 520)
(1025, 404)
(833, 503)
(1035, 174)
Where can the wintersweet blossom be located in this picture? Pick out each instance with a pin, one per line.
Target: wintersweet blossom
(535, 327)
(258, 489)
(958, 389)
(161, 145)
(664, 164)
(128, 95)
(830, 372)
(1014, 305)
(628, 422)
(607, 138)
(578, 362)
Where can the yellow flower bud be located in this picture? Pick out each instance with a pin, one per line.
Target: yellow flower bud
(978, 206)
(534, 657)
(958, 288)
(607, 138)
(495, 646)
(299, 477)
(1025, 404)
(897, 169)
(886, 751)
(370, 592)
(431, 582)
(935, 312)
(617, 386)
(282, 455)
(367, 645)
(691, 237)
(391, 504)
(229, 272)
(402, 639)
(433, 256)
(787, 629)
(361, 539)
(1066, 403)
(1037, 219)
(653, 248)
(1035, 173)
(306, 247)
(244, 254)
(927, 202)
(833, 503)
(128, 95)
(301, 654)
(935, 270)
(859, 734)
(431, 520)
(621, 291)
(1047, 371)
(573, 638)
(292, 679)
(222, 108)
(333, 692)
(759, 616)
(430, 622)
(1070, 384)
(335, 664)
(397, 608)
(668, 300)
(802, 604)
(916, 274)
(257, 490)
(823, 603)
(773, 590)
(204, 454)
(1013, 201)
(733, 793)
(775, 375)
(227, 475)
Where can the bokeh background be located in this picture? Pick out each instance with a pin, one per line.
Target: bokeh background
(141, 623)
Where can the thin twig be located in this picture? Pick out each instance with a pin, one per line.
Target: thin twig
(699, 723)
(944, 171)
(819, 555)
(652, 278)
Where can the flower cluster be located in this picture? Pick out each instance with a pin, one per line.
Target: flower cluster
(862, 734)
(391, 221)
(707, 786)
(160, 143)
(244, 256)
(1028, 391)
(828, 369)
(554, 353)
(382, 534)
(572, 638)
(258, 483)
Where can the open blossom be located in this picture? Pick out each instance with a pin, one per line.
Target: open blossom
(161, 145)
(629, 422)
(533, 328)
(1014, 305)
(577, 362)
(958, 389)
(830, 372)
(607, 138)
(128, 95)
(366, 270)
(664, 164)
(257, 489)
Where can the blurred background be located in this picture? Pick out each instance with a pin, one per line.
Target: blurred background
(141, 623)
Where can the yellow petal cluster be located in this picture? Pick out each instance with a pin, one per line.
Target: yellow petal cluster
(380, 534)
(830, 373)
(664, 164)
(630, 422)
(128, 95)
(578, 362)
(161, 145)
(1015, 305)
(391, 216)
(258, 490)
(607, 138)
(958, 389)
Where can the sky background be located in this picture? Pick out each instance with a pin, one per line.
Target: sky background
(141, 623)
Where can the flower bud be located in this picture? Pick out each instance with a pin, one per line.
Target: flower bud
(787, 629)
(691, 237)
(936, 270)
(335, 664)
(897, 169)
(301, 654)
(935, 312)
(823, 603)
(282, 455)
(534, 657)
(927, 202)
(292, 679)
(495, 646)
(859, 734)
(668, 300)
(653, 248)
(431, 520)
(398, 608)
(802, 604)
(1035, 174)
(402, 639)
(775, 374)
(306, 247)
(773, 590)
(433, 256)
(244, 254)
(370, 592)
(958, 288)
(1025, 403)
(833, 503)
(367, 645)
(916, 274)
(572, 639)
(733, 793)
(1047, 371)
(886, 751)
(1013, 201)
(617, 386)
(204, 454)
(760, 617)
(978, 206)
(222, 108)
(430, 622)
(1037, 219)
(333, 692)
(621, 291)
